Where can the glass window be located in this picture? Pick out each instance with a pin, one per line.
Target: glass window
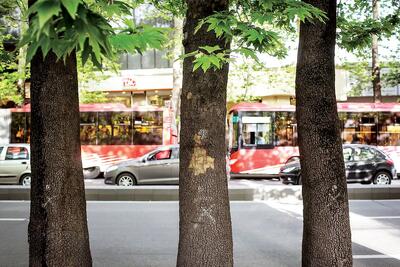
(285, 129)
(389, 129)
(347, 153)
(19, 129)
(175, 153)
(358, 128)
(161, 155)
(363, 154)
(233, 124)
(17, 153)
(88, 128)
(104, 132)
(148, 60)
(148, 128)
(122, 128)
(256, 128)
(1, 149)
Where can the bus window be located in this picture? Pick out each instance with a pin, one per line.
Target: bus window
(88, 128)
(256, 130)
(104, 132)
(389, 129)
(285, 129)
(148, 128)
(122, 128)
(19, 128)
(358, 128)
(233, 124)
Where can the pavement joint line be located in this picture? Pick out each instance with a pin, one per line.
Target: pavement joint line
(376, 256)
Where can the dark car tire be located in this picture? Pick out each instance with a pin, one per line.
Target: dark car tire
(126, 179)
(25, 178)
(299, 180)
(380, 175)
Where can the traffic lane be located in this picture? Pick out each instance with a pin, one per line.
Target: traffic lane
(265, 233)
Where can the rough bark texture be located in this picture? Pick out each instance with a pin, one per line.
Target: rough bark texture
(58, 233)
(326, 230)
(376, 70)
(205, 236)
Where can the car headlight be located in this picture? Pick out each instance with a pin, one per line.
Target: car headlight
(290, 169)
(112, 168)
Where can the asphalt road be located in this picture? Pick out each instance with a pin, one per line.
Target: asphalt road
(265, 233)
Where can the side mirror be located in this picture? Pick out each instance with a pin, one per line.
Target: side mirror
(144, 160)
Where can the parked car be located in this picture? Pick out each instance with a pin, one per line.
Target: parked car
(15, 166)
(160, 166)
(364, 164)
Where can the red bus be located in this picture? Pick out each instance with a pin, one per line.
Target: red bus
(109, 132)
(263, 137)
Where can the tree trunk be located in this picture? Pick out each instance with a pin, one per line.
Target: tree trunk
(58, 233)
(376, 70)
(205, 236)
(326, 229)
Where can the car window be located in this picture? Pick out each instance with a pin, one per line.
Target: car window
(1, 149)
(161, 155)
(363, 154)
(16, 153)
(175, 153)
(347, 153)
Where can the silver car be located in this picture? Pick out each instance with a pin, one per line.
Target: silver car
(160, 166)
(15, 166)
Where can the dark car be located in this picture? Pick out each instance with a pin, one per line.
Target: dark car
(364, 164)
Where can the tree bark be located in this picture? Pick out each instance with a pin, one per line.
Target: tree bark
(205, 236)
(58, 233)
(376, 70)
(326, 229)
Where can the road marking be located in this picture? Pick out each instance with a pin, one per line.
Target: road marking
(376, 256)
(13, 219)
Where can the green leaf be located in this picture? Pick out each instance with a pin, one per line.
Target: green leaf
(210, 49)
(71, 6)
(46, 10)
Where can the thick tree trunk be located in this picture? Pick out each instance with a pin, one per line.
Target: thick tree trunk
(205, 236)
(326, 230)
(376, 70)
(58, 233)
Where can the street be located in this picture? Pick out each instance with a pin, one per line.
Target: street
(265, 233)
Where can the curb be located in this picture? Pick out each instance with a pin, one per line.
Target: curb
(237, 193)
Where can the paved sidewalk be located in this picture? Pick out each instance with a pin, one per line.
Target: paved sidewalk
(266, 233)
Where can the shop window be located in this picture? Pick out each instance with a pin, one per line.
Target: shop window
(20, 127)
(389, 129)
(358, 128)
(285, 129)
(122, 128)
(88, 128)
(148, 128)
(104, 129)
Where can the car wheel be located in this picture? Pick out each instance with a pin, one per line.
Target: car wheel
(299, 180)
(382, 178)
(25, 180)
(126, 179)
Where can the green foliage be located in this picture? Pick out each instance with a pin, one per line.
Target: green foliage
(63, 26)
(356, 25)
(360, 76)
(392, 78)
(254, 27)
